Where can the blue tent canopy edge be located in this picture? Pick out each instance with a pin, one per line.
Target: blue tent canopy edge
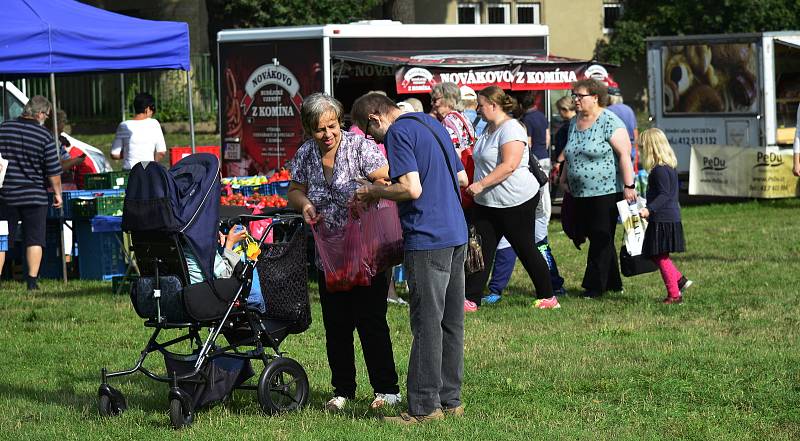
(65, 36)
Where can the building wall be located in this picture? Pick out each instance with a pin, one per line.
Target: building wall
(192, 12)
(575, 25)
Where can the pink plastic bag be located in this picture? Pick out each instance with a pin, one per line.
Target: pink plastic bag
(258, 227)
(383, 235)
(342, 253)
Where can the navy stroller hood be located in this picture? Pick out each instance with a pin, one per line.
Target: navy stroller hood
(182, 200)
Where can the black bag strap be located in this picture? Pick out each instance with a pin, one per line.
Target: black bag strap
(475, 122)
(444, 152)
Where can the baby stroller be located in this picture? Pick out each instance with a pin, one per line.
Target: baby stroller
(172, 213)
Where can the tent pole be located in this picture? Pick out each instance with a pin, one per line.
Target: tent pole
(122, 95)
(3, 110)
(54, 117)
(191, 108)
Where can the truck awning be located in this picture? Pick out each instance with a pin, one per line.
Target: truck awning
(790, 41)
(418, 72)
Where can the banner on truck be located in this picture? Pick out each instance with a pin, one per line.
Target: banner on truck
(722, 170)
(416, 79)
(262, 90)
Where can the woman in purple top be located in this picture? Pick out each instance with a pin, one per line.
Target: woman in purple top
(325, 174)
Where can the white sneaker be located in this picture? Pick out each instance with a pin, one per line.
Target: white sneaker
(382, 400)
(336, 403)
(396, 301)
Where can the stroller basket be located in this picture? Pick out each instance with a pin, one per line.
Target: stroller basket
(283, 275)
(215, 380)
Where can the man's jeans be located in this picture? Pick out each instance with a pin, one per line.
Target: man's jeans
(436, 364)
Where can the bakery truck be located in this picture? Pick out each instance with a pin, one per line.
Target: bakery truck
(726, 91)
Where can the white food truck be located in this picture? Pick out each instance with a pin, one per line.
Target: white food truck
(727, 90)
(265, 73)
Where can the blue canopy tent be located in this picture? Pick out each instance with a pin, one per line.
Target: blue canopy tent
(39, 37)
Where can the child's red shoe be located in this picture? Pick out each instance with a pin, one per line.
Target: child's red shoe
(673, 300)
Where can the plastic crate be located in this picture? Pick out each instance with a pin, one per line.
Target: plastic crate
(84, 208)
(50, 265)
(281, 188)
(110, 205)
(100, 255)
(66, 199)
(178, 153)
(109, 180)
(248, 190)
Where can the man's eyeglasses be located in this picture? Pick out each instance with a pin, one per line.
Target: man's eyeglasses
(579, 96)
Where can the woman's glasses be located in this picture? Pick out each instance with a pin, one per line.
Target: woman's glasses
(579, 96)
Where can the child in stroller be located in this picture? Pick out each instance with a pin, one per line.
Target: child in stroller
(225, 261)
(169, 212)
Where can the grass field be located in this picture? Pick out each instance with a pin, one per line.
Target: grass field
(724, 365)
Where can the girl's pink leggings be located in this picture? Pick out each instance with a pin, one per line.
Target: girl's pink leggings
(669, 273)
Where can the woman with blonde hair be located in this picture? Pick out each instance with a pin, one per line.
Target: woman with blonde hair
(664, 234)
(506, 195)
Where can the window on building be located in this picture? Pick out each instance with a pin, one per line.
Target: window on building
(611, 13)
(498, 14)
(469, 13)
(528, 13)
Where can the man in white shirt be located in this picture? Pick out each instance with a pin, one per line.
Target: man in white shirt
(139, 139)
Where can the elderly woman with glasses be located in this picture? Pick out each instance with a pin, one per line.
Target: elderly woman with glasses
(447, 107)
(598, 173)
(326, 171)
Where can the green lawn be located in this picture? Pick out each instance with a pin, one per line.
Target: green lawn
(724, 365)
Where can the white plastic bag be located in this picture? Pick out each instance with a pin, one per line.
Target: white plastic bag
(634, 225)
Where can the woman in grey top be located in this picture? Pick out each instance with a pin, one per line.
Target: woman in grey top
(506, 194)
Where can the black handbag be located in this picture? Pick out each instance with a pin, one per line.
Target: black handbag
(635, 265)
(536, 169)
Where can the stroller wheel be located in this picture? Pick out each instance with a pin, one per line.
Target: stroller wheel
(283, 386)
(110, 402)
(179, 415)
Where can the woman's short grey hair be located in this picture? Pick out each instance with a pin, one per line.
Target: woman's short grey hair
(316, 105)
(36, 104)
(451, 95)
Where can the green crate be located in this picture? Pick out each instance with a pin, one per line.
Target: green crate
(119, 179)
(84, 208)
(103, 181)
(110, 205)
(97, 181)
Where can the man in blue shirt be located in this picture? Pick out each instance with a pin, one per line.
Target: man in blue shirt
(426, 175)
(626, 114)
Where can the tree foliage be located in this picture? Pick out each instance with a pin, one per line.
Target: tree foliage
(265, 13)
(232, 14)
(646, 18)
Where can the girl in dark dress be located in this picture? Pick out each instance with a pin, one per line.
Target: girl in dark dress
(664, 233)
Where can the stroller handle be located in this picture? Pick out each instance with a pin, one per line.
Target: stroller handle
(283, 218)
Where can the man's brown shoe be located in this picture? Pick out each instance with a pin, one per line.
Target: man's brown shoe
(407, 420)
(457, 411)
